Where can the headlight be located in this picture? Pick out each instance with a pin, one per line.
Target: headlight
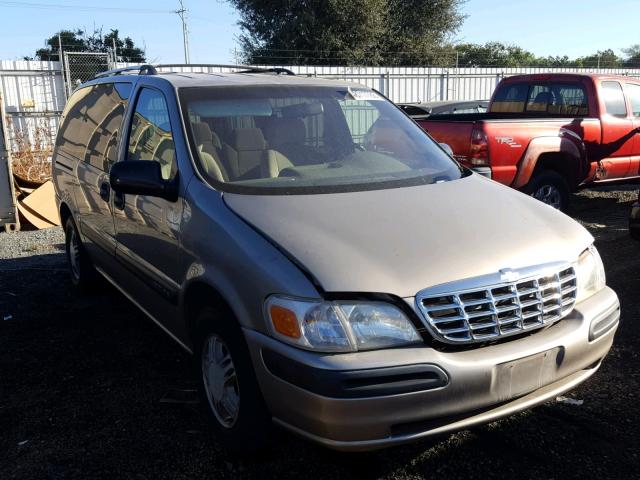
(590, 273)
(339, 326)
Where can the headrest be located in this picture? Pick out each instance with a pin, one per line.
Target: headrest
(248, 139)
(542, 97)
(202, 134)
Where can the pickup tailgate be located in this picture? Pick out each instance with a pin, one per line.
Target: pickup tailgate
(455, 133)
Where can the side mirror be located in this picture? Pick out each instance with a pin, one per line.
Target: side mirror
(142, 177)
(447, 149)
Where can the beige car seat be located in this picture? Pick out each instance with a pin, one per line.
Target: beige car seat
(209, 148)
(243, 158)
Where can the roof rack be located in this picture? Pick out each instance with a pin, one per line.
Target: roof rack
(237, 68)
(277, 70)
(136, 70)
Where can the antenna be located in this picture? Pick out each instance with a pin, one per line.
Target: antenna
(182, 13)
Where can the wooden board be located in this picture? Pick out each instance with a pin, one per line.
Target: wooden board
(39, 207)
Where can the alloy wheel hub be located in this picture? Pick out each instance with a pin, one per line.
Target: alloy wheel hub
(220, 381)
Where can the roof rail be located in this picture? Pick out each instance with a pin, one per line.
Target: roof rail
(136, 70)
(237, 68)
(277, 70)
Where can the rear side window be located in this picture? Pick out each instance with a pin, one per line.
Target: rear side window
(634, 97)
(510, 98)
(109, 102)
(150, 137)
(548, 98)
(74, 129)
(614, 99)
(91, 123)
(557, 99)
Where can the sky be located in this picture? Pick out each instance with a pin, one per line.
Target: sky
(545, 27)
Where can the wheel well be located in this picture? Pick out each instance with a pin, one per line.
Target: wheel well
(198, 296)
(563, 164)
(65, 213)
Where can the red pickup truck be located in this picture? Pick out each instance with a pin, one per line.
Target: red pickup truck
(546, 134)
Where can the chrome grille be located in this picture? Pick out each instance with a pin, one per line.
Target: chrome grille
(500, 309)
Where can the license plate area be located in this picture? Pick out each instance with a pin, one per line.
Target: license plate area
(522, 376)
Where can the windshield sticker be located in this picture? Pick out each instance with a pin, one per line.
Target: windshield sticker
(364, 94)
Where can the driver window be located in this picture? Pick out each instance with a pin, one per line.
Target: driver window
(150, 137)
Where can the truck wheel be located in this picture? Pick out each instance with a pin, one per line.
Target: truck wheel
(228, 384)
(81, 270)
(551, 188)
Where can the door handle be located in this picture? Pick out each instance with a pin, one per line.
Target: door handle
(105, 191)
(118, 200)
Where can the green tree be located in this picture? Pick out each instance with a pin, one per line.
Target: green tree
(321, 32)
(632, 56)
(417, 29)
(79, 41)
(601, 59)
(494, 54)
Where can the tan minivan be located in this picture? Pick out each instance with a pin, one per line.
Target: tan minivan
(332, 269)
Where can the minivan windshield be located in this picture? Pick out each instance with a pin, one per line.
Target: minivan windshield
(308, 139)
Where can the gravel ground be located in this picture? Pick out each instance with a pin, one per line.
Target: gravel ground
(82, 382)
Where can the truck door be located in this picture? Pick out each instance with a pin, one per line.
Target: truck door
(633, 94)
(618, 136)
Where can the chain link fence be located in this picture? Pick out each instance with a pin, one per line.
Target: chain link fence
(80, 67)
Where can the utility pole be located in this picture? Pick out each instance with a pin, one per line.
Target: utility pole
(62, 66)
(182, 13)
(457, 75)
(115, 52)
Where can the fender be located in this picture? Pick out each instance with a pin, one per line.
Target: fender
(567, 143)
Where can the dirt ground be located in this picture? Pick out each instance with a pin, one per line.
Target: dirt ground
(82, 383)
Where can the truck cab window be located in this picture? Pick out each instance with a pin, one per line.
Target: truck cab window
(510, 99)
(634, 97)
(614, 99)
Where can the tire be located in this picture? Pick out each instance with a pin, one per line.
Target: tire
(81, 271)
(226, 379)
(551, 188)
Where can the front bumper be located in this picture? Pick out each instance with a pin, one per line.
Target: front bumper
(477, 385)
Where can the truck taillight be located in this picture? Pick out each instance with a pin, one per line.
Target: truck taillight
(479, 153)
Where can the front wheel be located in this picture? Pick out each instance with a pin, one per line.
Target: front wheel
(228, 384)
(551, 188)
(81, 270)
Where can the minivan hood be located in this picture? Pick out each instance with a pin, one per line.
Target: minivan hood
(402, 240)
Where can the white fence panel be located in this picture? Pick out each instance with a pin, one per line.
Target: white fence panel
(34, 96)
(34, 92)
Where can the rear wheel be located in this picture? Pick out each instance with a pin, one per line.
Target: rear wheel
(228, 384)
(551, 188)
(81, 270)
